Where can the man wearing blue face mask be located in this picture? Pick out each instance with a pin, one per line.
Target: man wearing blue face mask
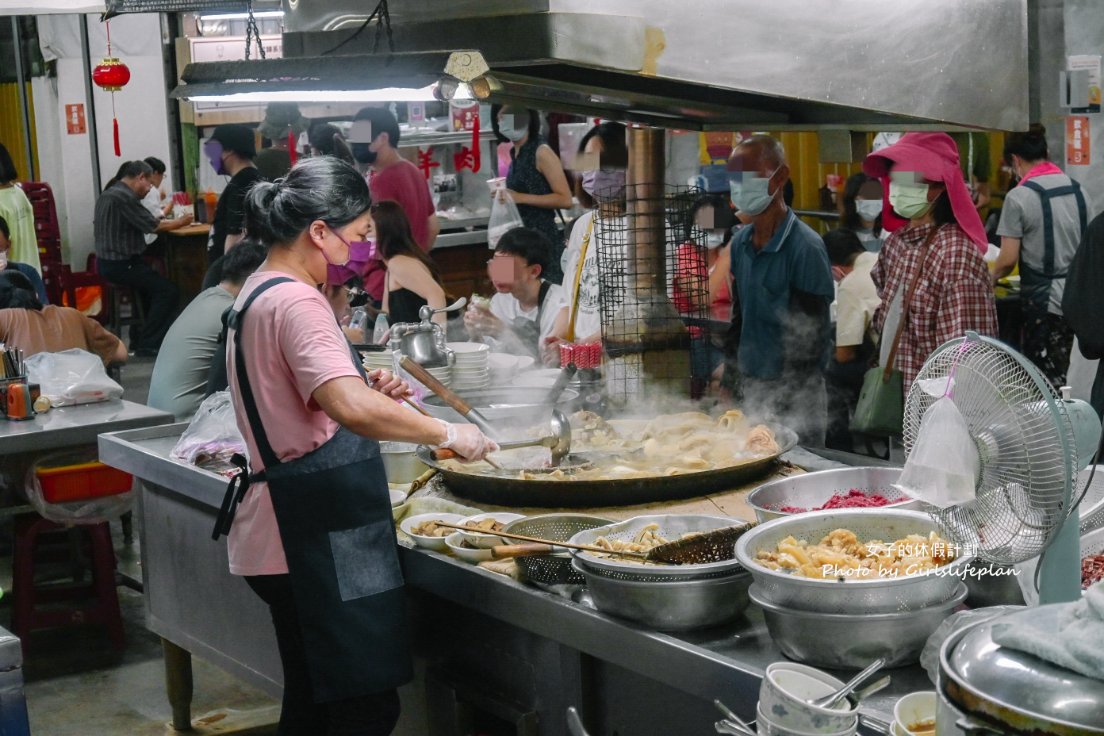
(780, 270)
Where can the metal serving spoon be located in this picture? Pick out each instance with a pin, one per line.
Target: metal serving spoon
(829, 700)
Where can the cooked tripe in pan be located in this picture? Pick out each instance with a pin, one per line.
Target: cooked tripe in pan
(618, 449)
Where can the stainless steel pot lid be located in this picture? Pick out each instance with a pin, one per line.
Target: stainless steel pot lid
(1023, 692)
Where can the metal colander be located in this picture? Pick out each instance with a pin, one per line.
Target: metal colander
(1025, 443)
(848, 595)
(669, 526)
(552, 569)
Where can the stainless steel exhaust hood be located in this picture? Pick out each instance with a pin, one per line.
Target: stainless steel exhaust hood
(699, 64)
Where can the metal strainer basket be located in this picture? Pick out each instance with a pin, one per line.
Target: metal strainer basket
(670, 527)
(552, 569)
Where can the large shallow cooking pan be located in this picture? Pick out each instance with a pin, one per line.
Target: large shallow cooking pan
(504, 488)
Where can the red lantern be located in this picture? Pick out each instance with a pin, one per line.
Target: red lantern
(111, 75)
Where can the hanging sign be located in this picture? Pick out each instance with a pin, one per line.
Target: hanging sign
(1077, 140)
(74, 120)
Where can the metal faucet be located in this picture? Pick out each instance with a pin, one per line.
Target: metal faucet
(424, 342)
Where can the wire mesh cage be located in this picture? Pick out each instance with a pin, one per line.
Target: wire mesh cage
(653, 289)
(1017, 423)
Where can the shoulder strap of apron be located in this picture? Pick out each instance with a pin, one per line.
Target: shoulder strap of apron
(1045, 195)
(239, 484)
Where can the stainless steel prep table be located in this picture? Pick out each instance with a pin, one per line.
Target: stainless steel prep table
(71, 426)
(483, 641)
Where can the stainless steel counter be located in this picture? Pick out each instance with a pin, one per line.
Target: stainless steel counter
(568, 653)
(69, 426)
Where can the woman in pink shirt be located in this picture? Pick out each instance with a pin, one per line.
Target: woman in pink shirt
(313, 534)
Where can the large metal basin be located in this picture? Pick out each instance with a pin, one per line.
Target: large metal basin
(849, 595)
(811, 490)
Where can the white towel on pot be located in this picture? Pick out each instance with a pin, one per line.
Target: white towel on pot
(1066, 634)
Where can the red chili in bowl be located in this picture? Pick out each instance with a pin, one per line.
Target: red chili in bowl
(853, 499)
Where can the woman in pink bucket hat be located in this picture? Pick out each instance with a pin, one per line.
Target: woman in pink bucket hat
(936, 256)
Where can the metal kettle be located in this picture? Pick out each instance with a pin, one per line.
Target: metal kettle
(424, 342)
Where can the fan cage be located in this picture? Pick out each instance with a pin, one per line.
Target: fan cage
(1025, 444)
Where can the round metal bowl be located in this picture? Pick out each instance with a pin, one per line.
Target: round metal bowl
(810, 490)
(507, 408)
(400, 462)
(853, 640)
(671, 527)
(849, 595)
(681, 605)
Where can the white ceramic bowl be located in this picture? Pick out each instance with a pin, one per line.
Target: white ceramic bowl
(398, 495)
(766, 727)
(912, 709)
(468, 349)
(455, 544)
(434, 543)
(486, 541)
(784, 692)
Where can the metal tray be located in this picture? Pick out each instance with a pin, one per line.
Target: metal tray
(509, 490)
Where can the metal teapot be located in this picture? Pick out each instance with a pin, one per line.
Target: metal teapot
(424, 342)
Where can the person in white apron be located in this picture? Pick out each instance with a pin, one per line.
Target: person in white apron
(309, 518)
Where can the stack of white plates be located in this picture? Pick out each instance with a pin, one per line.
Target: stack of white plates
(471, 369)
(377, 359)
(442, 374)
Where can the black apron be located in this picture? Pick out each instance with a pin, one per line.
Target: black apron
(334, 514)
(1035, 284)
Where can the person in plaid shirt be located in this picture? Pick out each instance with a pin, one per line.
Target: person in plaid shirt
(953, 292)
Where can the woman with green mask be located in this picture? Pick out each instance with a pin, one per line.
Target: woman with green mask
(930, 274)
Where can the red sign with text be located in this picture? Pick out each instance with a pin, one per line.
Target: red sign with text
(74, 120)
(1077, 140)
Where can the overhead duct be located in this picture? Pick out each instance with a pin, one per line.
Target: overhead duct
(724, 64)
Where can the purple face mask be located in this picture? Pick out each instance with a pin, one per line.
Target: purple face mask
(213, 151)
(361, 254)
(604, 185)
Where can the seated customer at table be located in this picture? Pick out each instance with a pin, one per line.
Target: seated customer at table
(23, 268)
(412, 279)
(191, 347)
(120, 224)
(527, 312)
(26, 324)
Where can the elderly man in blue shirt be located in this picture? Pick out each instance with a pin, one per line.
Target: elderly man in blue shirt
(781, 272)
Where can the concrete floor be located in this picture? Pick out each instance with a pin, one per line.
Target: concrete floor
(78, 685)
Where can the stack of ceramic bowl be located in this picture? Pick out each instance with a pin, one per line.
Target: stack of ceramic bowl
(785, 710)
(376, 359)
(471, 369)
(442, 374)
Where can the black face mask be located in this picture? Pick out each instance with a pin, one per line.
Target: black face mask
(362, 154)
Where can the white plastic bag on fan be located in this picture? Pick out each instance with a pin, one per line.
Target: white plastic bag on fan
(72, 377)
(504, 218)
(92, 510)
(943, 466)
(212, 435)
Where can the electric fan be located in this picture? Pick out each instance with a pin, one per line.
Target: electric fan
(1031, 444)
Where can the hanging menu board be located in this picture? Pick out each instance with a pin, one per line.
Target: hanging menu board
(118, 7)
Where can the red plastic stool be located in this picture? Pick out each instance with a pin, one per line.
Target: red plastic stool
(35, 607)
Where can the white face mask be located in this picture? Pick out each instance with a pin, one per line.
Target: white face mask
(3, 259)
(751, 194)
(868, 209)
(714, 238)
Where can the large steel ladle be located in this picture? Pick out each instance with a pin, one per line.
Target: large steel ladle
(558, 441)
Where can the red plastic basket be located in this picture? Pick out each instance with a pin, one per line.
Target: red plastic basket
(85, 480)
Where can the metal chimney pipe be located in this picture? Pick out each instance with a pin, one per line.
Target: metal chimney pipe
(644, 199)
